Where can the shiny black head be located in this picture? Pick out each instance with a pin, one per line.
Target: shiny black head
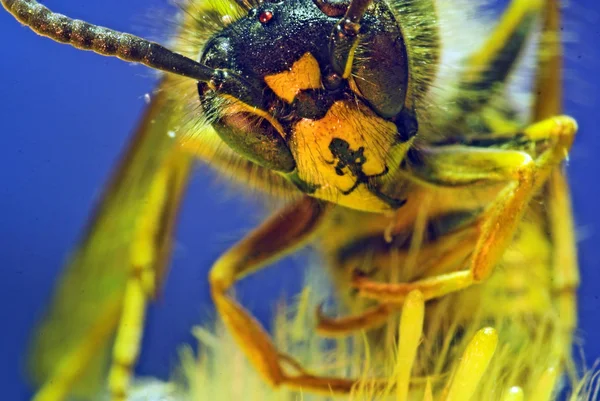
(270, 38)
(292, 60)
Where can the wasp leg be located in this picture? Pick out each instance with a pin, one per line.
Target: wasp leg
(548, 85)
(126, 238)
(548, 102)
(150, 246)
(344, 39)
(458, 165)
(129, 333)
(343, 326)
(379, 314)
(437, 258)
(281, 234)
(565, 273)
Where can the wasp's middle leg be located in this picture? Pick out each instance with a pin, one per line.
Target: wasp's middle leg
(460, 166)
(434, 259)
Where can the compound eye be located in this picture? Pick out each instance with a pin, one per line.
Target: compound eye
(256, 139)
(265, 16)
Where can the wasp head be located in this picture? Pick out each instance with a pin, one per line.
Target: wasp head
(294, 84)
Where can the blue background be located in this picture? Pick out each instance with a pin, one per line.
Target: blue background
(65, 116)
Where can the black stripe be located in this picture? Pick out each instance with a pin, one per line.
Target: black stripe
(436, 228)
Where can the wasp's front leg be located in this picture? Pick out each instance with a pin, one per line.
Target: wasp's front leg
(279, 235)
(459, 166)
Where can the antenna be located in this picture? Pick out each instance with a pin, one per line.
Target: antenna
(86, 36)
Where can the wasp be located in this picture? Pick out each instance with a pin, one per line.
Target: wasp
(415, 190)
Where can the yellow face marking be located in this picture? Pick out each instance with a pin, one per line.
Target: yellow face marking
(304, 74)
(368, 146)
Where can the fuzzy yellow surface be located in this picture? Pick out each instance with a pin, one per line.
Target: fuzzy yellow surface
(221, 373)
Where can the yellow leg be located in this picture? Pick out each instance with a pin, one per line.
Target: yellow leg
(343, 326)
(149, 248)
(132, 226)
(548, 85)
(565, 273)
(549, 101)
(281, 234)
(456, 165)
(129, 336)
(565, 268)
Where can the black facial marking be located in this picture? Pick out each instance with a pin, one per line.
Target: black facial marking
(346, 157)
(354, 160)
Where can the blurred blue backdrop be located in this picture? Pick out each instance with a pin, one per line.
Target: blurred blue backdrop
(65, 116)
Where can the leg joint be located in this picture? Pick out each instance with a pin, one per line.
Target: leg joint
(220, 277)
